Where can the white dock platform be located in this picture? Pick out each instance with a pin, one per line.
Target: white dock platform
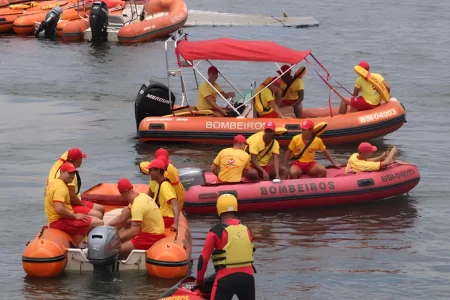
(197, 18)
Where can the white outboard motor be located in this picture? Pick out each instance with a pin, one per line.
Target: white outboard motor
(48, 25)
(98, 20)
(103, 248)
(191, 176)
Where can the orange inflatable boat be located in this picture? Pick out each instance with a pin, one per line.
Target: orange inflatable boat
(52, 252)
(159, 118)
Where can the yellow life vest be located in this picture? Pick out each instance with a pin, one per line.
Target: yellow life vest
(23, 6)
(260, 108)
(238, 252)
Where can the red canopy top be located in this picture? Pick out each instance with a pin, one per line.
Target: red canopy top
(231, 49)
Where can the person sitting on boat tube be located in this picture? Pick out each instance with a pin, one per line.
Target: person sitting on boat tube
(147, 224)
(230, 244)
(171, 173)
(59, 211)
(370, 98)
(207, 95)
(264, 149)
(306, 164)
(232, 162)
(165, 196)
(75, 157)
(364, 162)
(265, 102)
(292, 89)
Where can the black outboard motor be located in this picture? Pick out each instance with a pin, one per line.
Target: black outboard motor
(98, 20)
(48, 25)
(103, 248)
(191, 176)
(152, 101)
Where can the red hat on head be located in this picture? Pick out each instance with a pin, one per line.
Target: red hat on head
(164, 160)
(366, 148)
(213, 69)
(157, 164)
(75, 153)
(276, 81)
(284, 68)
(239, 139)
(364, 64)
(307, 124)
(162, 152)
(124, 185)
(269, 125)
(68, 167)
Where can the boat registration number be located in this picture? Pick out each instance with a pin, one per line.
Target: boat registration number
(381, 115)
(176, 298)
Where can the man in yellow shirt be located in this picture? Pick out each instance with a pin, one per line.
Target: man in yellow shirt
(267, 99)
(292, 90)
(165, 198)
(364, 162)
(265, 150)
(58, 210)
(206, 98)
(232, 162)
(370, 98)
(147, 225)
(306, 164)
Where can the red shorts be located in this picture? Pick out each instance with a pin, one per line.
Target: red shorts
(168, 221)
(80, 209)
(360, 104)
(144, 240)
(288, 102)
(272, 114)
(304, 166)
(266, 168)
(71, 226)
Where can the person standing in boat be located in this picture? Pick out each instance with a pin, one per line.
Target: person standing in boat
(370, 98)
(207, 95)
(230, 244)
(265, 150)
(364, 162)
(165, 198)
(75, 157)
(292, 89)
(266, 102)
(232, 162)
(170, 173)
(59, 211)
(147, 224)
(305, 161)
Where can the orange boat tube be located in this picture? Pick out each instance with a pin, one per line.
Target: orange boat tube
(155, 27)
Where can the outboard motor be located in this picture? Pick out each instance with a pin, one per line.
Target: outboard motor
(48, 25)
(153, 101)
(191, 176)
(98, 20)
(103, 248)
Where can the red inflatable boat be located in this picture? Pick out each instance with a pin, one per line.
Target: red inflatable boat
(185, 289)
(201, 191)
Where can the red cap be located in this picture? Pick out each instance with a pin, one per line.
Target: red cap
(162, 152)
(276, 81)
(364, 64)
(366, 148)
(124, 185)
(239, 139)
(157, 164)
(307, 124)
(75, 153)
(68, 167)
(164, 160)
(284, 68)
(269, 125)
(213, 69)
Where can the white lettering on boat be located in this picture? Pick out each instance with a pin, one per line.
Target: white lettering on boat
(149, 27)
(235, 125)
(381, 115)
(177, 17)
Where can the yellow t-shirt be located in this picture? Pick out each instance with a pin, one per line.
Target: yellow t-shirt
(56, 191)
(74, 184)
(144, 210)
(205, 90)
(172, 175)
(232, 163)
(167, 193)
(56, 166)
(265, 97)
(292, 93)
(258, 147)
(297, 145)
(368, 91)
(356, 165)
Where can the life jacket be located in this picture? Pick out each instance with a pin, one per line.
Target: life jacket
(260, 108)
(238, 252)
(298, 75)
(55, 168)
(159, 189)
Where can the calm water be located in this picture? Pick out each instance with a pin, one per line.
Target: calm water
(57, 96)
